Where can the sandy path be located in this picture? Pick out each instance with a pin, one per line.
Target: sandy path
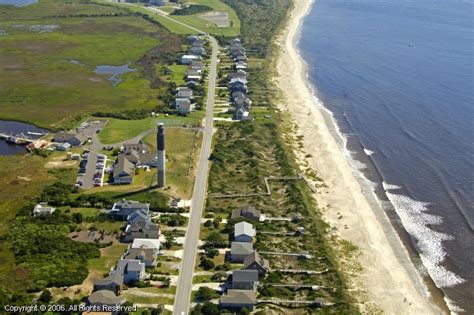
(389, 277)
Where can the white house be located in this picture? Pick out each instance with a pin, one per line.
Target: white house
(42, 209)
(146, 243)
(244, 232)
(187, 59)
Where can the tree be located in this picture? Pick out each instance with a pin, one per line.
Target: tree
(45, 296)
(166, 283)
(207, 264)
(219, 276)
(216, 222)
(208, 223)
(215, 239)
(211, 252)
(205, 294)
(77, 217)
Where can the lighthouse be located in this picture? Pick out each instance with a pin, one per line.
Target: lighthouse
(160, 156)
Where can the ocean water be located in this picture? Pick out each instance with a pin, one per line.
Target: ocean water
(398, 77)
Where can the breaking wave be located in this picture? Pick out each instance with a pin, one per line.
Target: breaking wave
(416, 222)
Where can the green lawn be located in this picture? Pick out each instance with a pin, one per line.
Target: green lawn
(118, 130)
(182, 148)
(108, 258)
(179, 72)
(194, 20)
(36, 75)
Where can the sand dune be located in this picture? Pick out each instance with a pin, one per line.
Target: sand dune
(389, 277)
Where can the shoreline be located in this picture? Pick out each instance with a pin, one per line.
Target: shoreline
(390, 279)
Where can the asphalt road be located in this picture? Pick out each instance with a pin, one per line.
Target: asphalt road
(185, 281)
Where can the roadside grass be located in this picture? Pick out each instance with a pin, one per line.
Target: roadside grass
(35, 72)
(150, 295)
(46, 8)
(182, 151)
(202, 279)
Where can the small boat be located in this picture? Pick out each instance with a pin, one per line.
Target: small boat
(35, 133)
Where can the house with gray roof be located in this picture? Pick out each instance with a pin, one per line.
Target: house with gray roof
(184, 92)
(133, 270)
(74, 139)
(249, 212)
(123, 171)
(240, 250)
(244, 232)
(237, 299)
(242, 102)
(113, 282)
(122, 209)
(238, 86)
(254, 261)
(104, 298)
(197, 50)
(139, 225)
(137, 147)
(196, 65)
(183, 105)
(193, 74)
(239, 74)
(244, 279)
(146, 255)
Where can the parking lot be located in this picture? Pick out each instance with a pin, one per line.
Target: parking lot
(92, 165)
(91, 170)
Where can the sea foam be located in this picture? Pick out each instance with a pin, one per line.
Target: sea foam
(368, 152)
(416, 220)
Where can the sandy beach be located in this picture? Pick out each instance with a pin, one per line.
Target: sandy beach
(389, 278)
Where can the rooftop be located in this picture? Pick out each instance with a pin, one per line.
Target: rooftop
(241, 248)
(239, 297)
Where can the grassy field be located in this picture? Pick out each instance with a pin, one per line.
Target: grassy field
(36, 73)
(194, 20)
(182, 149)
(46, 8)
(118, 130)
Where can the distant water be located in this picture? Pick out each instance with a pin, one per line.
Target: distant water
(398, 78)
(113, 70)
(18, 3)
